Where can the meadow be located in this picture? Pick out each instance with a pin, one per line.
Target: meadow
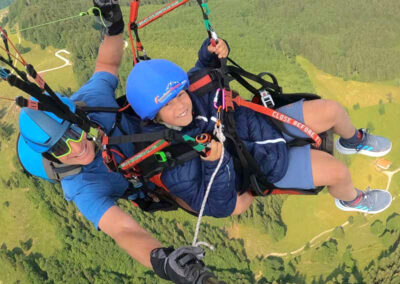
(59, 234)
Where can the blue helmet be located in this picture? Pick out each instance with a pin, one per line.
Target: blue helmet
(41, 130)
(32, 161)
(152, 84)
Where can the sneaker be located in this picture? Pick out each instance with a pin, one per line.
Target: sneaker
(370, 145)
(372, 202)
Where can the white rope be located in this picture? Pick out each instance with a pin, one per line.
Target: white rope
(221, 138)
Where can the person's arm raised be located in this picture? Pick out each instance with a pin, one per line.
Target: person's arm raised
(111, 50)
(110, 54)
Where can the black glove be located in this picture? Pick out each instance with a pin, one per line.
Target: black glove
(111, 16)
(181, 266)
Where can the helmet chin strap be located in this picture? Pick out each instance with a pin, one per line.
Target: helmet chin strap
(95, 135)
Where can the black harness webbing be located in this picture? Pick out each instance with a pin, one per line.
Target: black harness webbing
(238, 74)
(168, 134)
(245, 164)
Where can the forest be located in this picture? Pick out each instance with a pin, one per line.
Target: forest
(333, 35)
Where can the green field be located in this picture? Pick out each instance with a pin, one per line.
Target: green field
(69, 249)
(348, 93)
(22, 220)
(308, 216)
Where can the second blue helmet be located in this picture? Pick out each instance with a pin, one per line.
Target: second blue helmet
(152, 84)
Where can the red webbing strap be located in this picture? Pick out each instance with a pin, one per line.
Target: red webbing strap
(33, 105)
(145, 153)
(274, 114)
(124, 108)
(16, 50)
(283, 191)
(200, 83)
(118, 153)
(159, 13)
(156, 179)
(109, 161)
(134, 10)
(134, 4)
(39, 80)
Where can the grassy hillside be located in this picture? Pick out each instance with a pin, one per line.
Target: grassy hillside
(21, 218)
(308, 216)
(68, 249)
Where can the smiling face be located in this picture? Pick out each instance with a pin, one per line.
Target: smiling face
(82, 153)
(178, 111)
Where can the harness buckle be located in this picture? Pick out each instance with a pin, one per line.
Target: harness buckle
(266, 99)
(227, 95)
(136, 183)
(160, 156)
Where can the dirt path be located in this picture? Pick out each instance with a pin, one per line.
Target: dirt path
(16, 59)
(310, 242)
(389, 175)
(66, 61)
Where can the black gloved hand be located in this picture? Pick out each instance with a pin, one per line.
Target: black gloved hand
(111, 16)
(181, 266)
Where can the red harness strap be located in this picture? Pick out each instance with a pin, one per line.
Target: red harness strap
(231, 98)
(200, 83)
(159, 13)
(145, 153)
(156, 179)
(134, 8)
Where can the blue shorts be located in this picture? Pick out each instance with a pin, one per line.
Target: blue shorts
(299, 172)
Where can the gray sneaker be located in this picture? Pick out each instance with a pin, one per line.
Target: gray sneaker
(372, 202)
(370, 145)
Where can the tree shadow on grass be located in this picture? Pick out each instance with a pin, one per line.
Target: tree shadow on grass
(3, 112)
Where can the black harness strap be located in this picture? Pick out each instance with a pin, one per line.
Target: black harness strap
(244, 163)
(239, 73)
(168, 134)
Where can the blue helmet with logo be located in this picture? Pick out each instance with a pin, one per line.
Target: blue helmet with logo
(152, 84)
(40, 129)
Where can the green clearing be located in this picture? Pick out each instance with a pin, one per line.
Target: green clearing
(21, 210)
(9, 274)
(305, 217)
(22, 220)
(308, 216)
(43, 59)
(349, 92)
(395, 186)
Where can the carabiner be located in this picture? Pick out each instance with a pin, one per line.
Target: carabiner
(203, 138)
(216, 98)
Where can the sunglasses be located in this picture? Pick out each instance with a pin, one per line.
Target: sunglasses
(62, 147)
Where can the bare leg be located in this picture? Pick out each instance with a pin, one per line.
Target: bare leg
(331, 172)
(321, 115)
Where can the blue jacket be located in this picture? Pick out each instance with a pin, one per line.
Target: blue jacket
(259, 135)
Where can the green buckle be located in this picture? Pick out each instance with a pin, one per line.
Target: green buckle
(160, 156)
